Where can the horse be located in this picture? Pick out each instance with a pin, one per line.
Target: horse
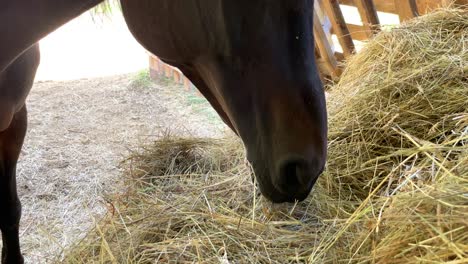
(253, 60)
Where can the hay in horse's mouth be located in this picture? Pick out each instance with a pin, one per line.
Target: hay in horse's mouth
(394, 191)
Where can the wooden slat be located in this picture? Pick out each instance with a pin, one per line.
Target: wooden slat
(187, 84)
(152, 62)
(368, 15)
(324, 21)
(158, 65)
(386, 6)
(326, 53)
(426, 6)
(406, 9)
(462, 3)
(339, 56)
(358, 32)
(177, 76)
(339, 26)
(168, 72)
(152, 67)
(321, 65)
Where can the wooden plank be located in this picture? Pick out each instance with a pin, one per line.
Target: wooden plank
(154, 65)
(168, 71)
(406, 9)
(323, 69)
(463, 3)
(339, 56)
(339, 26)
(177, 76)
(386, 6)
(324, 21)
(321, 65)
(158, 65)
(152, 62)
(369, 17)
(426, 6)
(187, 84)
(326, 53)
(359, 32)
(316, 51)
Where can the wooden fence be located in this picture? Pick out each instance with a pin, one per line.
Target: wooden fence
(337, 34)
(158, 68)
(336, 38)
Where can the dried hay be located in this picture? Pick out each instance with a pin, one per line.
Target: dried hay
(396, 188)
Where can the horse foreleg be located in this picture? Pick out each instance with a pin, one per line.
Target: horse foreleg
(15, 83)
(11, 142)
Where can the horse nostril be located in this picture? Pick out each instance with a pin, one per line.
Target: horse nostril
(294, 175)
(294, 172)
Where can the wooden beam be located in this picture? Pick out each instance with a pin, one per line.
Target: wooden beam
(461, 3)
(177, 76)
(324, 21)
(426, 6)
(324, 74)
(155, 66)
(168, 72)
(406, 9)
(359, 32)
(339, 56)
(369, 17)
(333, 10)
(187, 84)
(386, 6)
(326, 53)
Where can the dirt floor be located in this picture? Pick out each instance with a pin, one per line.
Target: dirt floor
(78, 133)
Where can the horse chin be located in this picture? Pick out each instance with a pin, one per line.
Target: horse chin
(274, 195)
(278, 197)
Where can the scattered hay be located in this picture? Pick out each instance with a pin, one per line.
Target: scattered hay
(396, 188)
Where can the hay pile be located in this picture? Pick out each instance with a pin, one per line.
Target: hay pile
(395, 191)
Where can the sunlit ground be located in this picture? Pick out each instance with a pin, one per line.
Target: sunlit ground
(86, 49)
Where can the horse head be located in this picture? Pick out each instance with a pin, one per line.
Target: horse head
(254, 61)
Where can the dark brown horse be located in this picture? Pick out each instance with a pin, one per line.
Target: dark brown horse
(252, 59)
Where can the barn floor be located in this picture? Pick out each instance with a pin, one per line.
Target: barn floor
(78, 133)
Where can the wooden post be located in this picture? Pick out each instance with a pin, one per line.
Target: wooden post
(158, 65)
(359, 32)
(369, 16)
(177, 77)
(187, 84)
(407, 9)
(461, 3)
(425, 6)
(167, 71)
(152, 67)
(325, 22)
(339, 26)
(324, 48)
